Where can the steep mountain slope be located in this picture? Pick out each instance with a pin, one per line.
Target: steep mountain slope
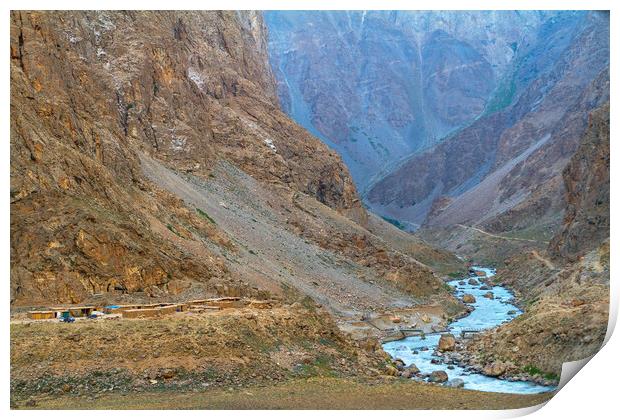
(150, 162)
(379, 85)
(146, 147)
(501, 173)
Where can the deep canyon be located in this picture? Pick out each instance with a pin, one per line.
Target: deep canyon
(337, 172)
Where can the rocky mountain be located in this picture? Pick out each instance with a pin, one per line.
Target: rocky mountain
(150, 160)
(502, 172)
(380, 85)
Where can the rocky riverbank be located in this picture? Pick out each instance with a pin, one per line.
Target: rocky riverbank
(452, 352)
(444, 358)
(478, 363)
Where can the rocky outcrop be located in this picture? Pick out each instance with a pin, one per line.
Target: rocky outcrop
(586, 221)
(410, 371)
(494, 369)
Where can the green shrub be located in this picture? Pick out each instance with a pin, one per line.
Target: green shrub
(204, 215)
(533, 370)
(394, 222)
(172, 229)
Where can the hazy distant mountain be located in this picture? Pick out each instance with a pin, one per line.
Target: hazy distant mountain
(380, 85)
(503, 171)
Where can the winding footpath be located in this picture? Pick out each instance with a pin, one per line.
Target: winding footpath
(492, 235)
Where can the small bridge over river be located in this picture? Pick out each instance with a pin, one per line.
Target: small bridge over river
(394, 334)
(470, 332)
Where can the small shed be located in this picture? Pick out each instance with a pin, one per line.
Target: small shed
(61, 312)
(41, 314)
(140, 313)
(81, 311)
(169, 309)
(225, 302)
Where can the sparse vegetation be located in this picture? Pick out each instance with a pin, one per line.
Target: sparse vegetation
(448, 288)
(172, 229)
(394, 222)
(533, 370)
(204, 215)
(503, 96)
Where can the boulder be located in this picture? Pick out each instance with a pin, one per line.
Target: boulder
(462, 283)
(391, 370)
(512, 312)
(455, 383)
(447, 342)
(473, 282)
(410, 371)
(369, 344)
(577, 302)
(494, 369)
(467, 298)
(425, 318)
(480, 273)
(438, 376)
(400, 365)
(489, 295)
(167, 373)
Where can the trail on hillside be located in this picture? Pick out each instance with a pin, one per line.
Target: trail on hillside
(544, 260)
(499, 236)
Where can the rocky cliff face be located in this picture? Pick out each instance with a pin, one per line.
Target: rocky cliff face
(380, 85)
(586, 221)
(502, 171)
(147, 153)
